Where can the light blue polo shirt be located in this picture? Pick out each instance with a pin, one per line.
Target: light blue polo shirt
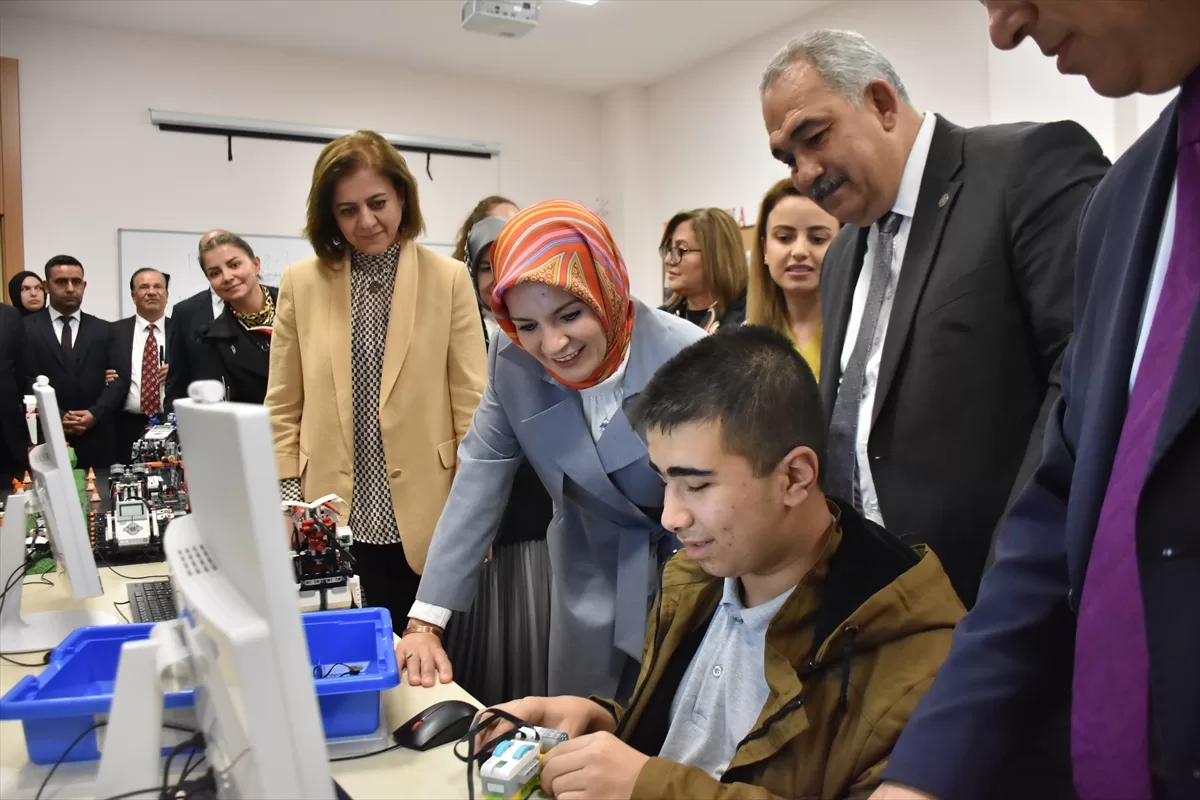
(725, 686)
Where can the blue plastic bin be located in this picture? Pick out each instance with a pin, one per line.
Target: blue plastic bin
(76, 687)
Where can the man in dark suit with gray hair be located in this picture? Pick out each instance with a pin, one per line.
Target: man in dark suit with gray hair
(946, 297)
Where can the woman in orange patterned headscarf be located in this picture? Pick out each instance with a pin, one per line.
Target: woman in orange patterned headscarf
(580, 348)
(562, 251)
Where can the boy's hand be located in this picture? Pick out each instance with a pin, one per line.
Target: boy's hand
(598, 766)
(574, 716)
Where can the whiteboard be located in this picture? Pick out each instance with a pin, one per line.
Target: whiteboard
(175, 253)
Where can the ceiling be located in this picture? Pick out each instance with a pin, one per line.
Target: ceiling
(585, 48)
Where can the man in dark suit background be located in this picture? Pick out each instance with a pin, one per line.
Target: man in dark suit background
(1093, 599)
(190, 318)
(946, 297)
(140, 357)
(14, 433)
(71, 348)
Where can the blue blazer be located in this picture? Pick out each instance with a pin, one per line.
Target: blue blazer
(606, 539)
(1013, 654)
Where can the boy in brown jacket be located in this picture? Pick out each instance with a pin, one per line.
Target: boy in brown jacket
(792, 638)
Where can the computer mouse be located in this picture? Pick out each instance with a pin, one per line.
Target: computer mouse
(441, 723)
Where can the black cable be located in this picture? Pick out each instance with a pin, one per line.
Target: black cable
(94, 727)
(367, 755)
(350, 670)
(28, 666)
(129, 577)
(483, 721)
(117, 606)
(191, 742)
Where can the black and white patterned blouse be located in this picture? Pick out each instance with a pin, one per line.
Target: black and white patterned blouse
(372, 279)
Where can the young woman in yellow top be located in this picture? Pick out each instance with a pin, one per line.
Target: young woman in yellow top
(790, 241)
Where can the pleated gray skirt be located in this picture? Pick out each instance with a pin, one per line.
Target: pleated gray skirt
(499, 648)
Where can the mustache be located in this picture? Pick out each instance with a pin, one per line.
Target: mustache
(826, 185)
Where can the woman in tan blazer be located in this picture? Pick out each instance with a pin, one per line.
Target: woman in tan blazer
(377, 364)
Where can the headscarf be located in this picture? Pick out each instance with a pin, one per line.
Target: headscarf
(561, 244)
(14, 291)
(479, 241)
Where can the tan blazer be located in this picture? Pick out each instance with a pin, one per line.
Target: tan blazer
(434, 369)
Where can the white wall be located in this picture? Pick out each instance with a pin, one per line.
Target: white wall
(92, 163)
(706, 125)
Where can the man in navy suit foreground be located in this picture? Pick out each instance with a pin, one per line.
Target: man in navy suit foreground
(1094, 598)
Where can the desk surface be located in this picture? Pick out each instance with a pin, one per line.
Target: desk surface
(398, 774)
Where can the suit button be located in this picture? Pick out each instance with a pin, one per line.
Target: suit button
(394, 474)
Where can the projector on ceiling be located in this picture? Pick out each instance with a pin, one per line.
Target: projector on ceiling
(508, 19)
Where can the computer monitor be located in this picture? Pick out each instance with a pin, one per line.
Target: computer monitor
(239, 636)
(56, 498)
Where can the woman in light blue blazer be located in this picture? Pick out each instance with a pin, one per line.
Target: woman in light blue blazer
(578, 350)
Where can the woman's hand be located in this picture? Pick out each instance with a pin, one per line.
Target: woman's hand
(421, 653)
(574, 716)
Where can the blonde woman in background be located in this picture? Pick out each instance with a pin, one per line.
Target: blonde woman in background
(706, 268)
(377, 365)
(790, 241)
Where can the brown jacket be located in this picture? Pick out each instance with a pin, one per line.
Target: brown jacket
(434, 370)
(847, 658)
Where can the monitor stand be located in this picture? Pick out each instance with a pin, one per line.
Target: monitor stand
(32, 632)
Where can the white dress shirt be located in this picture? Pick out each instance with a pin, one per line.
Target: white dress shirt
(1162, 255)
(599, 404)
(218, 305)
(57, 320)
(141, 332)
(905, 206)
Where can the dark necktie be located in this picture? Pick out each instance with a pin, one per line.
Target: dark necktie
(842, 472)
(150, 394)
(1110, 708)
(66, 334)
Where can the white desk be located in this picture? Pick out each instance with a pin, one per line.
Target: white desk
(398, 774)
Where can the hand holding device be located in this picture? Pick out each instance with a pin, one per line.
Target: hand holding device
(574, 716)
(598, 766)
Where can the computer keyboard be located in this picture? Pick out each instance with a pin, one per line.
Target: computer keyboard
(151, 601)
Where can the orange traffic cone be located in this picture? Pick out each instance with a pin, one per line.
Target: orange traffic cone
(91, 485)
(91, 476)
(95, 498)
(17, 487)
(28, 480)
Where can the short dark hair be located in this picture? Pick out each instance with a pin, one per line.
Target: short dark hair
(752, 381)
(133, 277)
(62, 261)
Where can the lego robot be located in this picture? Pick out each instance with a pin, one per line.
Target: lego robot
(321, 556)
(146, 495)
(514, 769)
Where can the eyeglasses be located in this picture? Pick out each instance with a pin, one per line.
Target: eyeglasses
(673, 255)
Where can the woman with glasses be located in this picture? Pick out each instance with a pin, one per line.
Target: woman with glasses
(790, 241)
(706, 268)
(577, 347)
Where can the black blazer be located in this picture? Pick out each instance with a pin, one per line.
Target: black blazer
(190, 318)
(1016, 648)
(78, 379)
(14, 433)
(980, 317)
(122, 350)
(228, 352)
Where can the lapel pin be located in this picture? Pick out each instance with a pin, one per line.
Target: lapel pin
(944, 199)
(233, 350)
